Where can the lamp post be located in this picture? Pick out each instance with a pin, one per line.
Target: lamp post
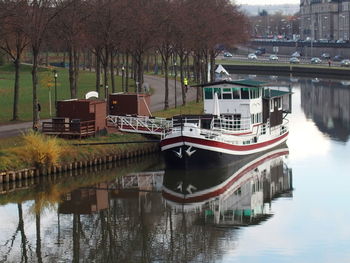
(55, 75)
(123, 70)
(175, 83)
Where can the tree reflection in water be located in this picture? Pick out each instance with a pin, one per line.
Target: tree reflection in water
(128, 218)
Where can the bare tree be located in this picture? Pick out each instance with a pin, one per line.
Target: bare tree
(13, 41)
(40, 15)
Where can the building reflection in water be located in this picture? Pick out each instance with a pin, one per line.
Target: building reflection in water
(327, 103)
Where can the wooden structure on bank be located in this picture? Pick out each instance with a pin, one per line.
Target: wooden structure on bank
(77, 118)
(121, 104)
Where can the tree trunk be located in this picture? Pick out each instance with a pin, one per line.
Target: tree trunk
(112, 73)
(71, 71)
(17, 64)
(183, 91)
(105, 72)
(98, 70)
(76, 72)
(127, 73)
(23, 234)
(166, 97)
(38, 238)
(35, 86)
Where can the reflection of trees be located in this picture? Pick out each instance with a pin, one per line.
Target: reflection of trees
(9, 244)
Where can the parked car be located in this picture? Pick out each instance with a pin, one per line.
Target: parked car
(258, 52)
(273, 58)
(341, 41)
(296, 54)
(323, 41)
(252, 56)
(294, 60)
(325, 56)
(345, 63)
(316, 61)
(338, 58)
(228, 55)
(262, 50)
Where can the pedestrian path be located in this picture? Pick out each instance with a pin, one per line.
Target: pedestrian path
(157, 83)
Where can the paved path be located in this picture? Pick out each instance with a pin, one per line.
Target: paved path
(157, 103)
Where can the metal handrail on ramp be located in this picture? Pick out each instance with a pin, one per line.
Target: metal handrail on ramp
(140, 124)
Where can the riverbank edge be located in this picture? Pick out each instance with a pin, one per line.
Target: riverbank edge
(30, 172)
(296, 70)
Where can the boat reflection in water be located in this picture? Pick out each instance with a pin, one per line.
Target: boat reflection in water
(232, 195)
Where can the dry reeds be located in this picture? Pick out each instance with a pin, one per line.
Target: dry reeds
(41, 151)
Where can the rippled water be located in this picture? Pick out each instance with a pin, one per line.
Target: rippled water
(290, 205)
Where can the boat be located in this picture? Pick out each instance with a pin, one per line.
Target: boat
(238, 192)
(241, 118)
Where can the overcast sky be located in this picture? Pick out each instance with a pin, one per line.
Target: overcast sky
(267, 2)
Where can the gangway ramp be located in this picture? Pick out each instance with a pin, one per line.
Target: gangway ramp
(140, 124)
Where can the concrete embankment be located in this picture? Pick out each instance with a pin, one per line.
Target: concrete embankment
(29, 173)
(295, 70)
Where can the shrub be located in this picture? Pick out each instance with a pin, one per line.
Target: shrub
(41, 151)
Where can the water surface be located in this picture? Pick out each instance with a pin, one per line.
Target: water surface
(289, 207)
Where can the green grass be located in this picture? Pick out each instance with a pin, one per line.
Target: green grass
(13, 151)
(189, 108)
(86, 83)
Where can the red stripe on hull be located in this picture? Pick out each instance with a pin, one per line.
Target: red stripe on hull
(221, 144)
(220, 191)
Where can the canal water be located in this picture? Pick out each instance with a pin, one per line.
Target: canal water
(289, 205)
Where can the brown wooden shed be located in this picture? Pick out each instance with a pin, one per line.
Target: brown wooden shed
(84, 110)
(129, 104)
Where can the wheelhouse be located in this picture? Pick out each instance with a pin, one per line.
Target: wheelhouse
(247, 102)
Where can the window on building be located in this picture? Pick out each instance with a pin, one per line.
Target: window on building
(236, 93)
(208, 93)
(227, 94)
(245, 93)
(271, 105)
(279, 103)
(254, 93)
(218, 91)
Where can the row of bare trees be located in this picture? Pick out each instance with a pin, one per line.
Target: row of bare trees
(102, 30)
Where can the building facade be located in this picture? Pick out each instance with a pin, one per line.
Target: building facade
(325, 19)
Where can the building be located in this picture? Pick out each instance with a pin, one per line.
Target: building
(325, 19)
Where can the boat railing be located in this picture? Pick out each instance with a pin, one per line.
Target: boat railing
(238, 125)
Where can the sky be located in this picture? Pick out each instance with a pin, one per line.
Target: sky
(267, 2)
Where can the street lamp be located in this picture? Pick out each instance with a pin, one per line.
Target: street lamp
(55, 75)
(123, 70)
(175, 83)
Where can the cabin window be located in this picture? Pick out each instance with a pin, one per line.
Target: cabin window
(254, 93)
(218, 91)
(227, 94)
(271, 105)
(208, 93)
(279, 103)
(245, 93)
(236, 93)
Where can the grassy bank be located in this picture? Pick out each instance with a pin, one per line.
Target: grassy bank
(20, 152)
(86, 83)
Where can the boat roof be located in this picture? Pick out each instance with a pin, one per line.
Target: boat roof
(273, 93)
(241, 82)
